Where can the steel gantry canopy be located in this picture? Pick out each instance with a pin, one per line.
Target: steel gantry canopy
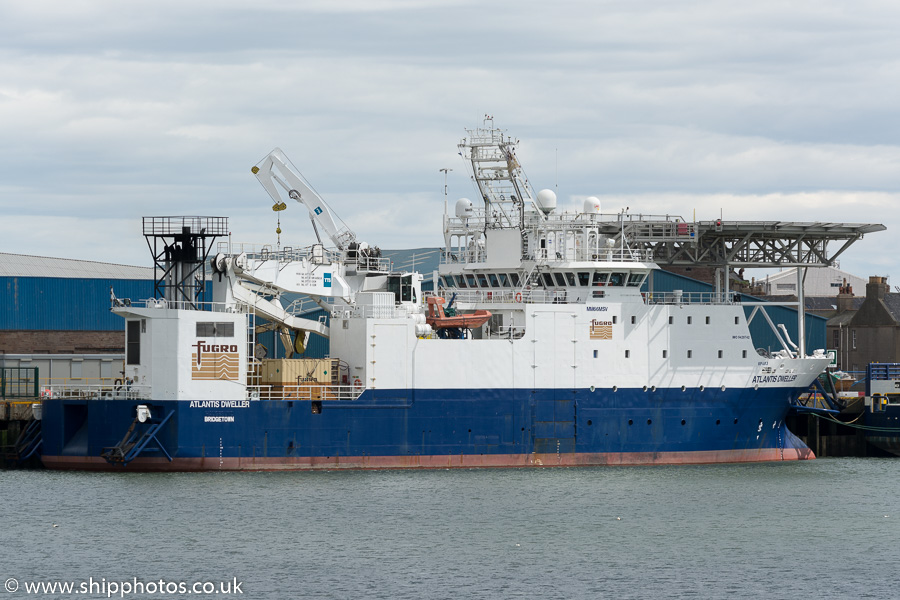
(741, 243)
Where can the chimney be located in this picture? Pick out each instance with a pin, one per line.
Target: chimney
(876, 288)
(845, 297)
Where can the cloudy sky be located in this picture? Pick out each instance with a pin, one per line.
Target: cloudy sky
(762, 110)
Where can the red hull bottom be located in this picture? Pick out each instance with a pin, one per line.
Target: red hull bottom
(432, 462)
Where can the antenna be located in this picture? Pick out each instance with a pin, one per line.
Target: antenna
(445, 171)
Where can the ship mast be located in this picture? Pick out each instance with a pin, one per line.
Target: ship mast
(498, 175)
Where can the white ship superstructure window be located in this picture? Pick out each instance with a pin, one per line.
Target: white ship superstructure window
(671, 320)
(470, 280)
(737, 320)
(665, 354)
(600, 278)
(633, 319)
(690, 320)
(560, 280)
(720, 354)
(493, 279)
(504, 280)
(743, 354)
(584, 278)
(210, 329)
(628, 354)
(690, 353)
(635, 279)
(570, 279)
(482, 280)
(595, 353)
(707, 320)
(617, 279)
(514, 278)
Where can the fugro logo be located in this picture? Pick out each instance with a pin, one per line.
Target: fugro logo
(214, 361)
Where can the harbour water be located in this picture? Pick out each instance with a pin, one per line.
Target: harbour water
(824, 528)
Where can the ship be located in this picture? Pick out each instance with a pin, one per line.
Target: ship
(882, 407)
(540, 343)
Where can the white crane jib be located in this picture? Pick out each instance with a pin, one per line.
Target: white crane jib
(279, 176)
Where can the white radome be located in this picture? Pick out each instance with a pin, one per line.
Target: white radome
(546, 201)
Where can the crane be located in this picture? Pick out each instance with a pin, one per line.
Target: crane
(276, 171)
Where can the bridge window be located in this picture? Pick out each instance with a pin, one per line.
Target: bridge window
(560, 280)
(470, 280)
(504, 280)
(635, 279)
(548, 280)
(600, 278)
(493, 279)
(482, 280)
(514, 279)
(617, 279)
(584, 278)
(460, 281)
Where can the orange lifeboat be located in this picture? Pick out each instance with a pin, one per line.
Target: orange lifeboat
(439, 320)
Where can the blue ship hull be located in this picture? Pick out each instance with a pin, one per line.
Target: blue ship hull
(426, 428)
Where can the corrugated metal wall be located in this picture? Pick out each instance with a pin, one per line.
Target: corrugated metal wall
(56, 303)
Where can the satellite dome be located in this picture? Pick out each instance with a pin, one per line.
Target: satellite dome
(546, 201)
(592, 205)
(464, 208)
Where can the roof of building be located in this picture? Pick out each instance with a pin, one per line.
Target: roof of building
(23, 265)
(892, 302)
(841, 319)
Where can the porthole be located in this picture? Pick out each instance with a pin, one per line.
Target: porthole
(718, 422)
(683, 388)
(723, 388)
(649, 422)
(652, 388)
(615, 388)
(756, 387)
(645, 388)
(592, 389)
(683, 422)
(702, 388)
(590, 422)
(630, 422)
(735, 421)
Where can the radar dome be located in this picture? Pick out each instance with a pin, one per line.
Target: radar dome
(546, 201)
(464, 208)
(592, 205)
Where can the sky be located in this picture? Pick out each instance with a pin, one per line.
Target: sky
(766, 111)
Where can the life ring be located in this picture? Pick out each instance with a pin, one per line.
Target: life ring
(357, 385)
(118, 384)
(518, 296)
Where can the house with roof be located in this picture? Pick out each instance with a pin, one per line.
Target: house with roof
(869, 333)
